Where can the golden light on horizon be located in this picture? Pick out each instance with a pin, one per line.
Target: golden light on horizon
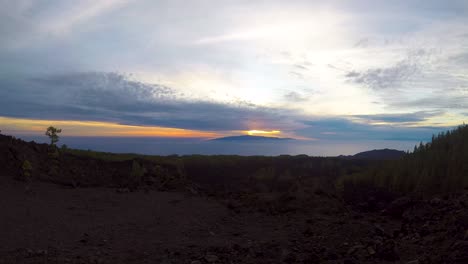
(263, 132)
(93, 128)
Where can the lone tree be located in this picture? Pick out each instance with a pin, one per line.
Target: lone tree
(52, 132)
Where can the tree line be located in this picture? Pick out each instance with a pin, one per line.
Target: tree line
(439, 166)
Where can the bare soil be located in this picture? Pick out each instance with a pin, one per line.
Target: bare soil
(49, 221)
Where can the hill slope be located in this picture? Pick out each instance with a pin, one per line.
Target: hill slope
(377, 154)
(380, 154)
(66, 167)
(438, 166)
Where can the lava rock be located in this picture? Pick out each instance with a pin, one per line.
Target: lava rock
(211, 258)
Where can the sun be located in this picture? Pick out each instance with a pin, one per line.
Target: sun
(262, 132)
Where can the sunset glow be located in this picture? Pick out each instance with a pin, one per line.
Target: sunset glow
(262, 132)
(303, 69)
(91, 128)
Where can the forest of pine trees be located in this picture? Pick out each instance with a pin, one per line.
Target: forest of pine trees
(439, 166)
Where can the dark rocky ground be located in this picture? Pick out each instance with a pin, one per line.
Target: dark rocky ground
(94, 215)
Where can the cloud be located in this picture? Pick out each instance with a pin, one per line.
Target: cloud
(117, 98)
(448, 101)
(362, 43)
(408, 118)
(460, 59)
(29, 24)
(301, 66)
(368, 57)
(72, 16)
(427, 78)
(295, 97)
(389, 77)
(345, 129)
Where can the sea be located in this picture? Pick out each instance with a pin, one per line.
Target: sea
(190, 146)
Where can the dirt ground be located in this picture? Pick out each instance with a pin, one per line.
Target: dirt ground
(61, 216)
(56, 224)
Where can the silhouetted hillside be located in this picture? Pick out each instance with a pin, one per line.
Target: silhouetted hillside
(86, 168)
(380, 154)
(90, 168)
(377, 154)
(438, 166)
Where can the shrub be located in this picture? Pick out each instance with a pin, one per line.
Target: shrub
(26, 170)
(136, 174)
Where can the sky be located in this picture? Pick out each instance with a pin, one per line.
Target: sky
(310, 70)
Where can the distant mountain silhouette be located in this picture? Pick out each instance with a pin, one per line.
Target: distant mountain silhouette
(249, 138)
(377, 154)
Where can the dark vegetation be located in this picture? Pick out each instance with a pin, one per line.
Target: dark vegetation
(87, 168)
(381, 206)
(52, 133)
(437, 167)
(377, 154)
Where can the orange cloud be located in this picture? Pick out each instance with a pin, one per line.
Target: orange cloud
(263, 132)
(275, 133)
(92, 128)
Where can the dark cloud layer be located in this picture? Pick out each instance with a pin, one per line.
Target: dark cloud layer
(345, 129)
(116, 98)
(398, 118)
